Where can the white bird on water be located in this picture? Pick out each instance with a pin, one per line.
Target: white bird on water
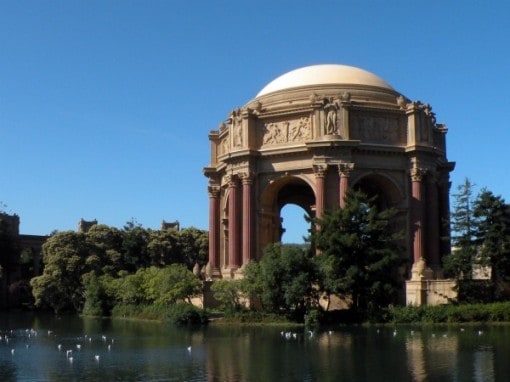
(189, 349)
(12, 351)
(96, 357)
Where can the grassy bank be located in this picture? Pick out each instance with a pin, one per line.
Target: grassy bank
(185, 314)
(180, 314)
(494, 312)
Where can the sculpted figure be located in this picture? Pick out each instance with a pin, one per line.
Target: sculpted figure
(331, 117)
(236, 123)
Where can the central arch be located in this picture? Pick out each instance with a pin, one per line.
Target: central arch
(278, 193)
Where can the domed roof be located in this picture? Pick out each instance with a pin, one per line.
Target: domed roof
(324, 75)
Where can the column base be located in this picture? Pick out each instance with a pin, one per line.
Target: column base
(212, 273)
(430, 292)
(420, 271)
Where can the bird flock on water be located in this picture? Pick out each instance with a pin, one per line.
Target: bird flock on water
(69, 347)
(72, 347)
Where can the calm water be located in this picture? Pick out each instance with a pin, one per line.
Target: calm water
(106, 350)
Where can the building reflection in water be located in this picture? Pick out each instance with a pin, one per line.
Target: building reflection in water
(431, 355)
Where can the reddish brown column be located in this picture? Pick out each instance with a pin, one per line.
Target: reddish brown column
(344, 171)
(233, 225)
(248, 233)
(214, 228)
(320, 174)
(417, 213)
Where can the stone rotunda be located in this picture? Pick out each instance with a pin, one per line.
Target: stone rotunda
(307, 137)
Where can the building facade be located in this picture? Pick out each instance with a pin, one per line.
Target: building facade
(305, 139)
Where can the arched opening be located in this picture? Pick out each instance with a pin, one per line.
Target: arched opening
(295, 228)
(284, 203)
(387, 193)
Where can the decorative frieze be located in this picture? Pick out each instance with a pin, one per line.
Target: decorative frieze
(282, 132)
(377, 128)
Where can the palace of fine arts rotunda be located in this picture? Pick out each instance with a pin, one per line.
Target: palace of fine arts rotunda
(305, 139)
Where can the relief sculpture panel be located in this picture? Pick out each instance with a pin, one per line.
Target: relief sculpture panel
(377, 128)
(224, 145)
(282, 132)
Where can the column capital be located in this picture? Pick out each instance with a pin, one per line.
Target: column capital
(231, 180)
(247, 177)
(320, 170)
(345, 169)
(213, 190)
(417, 174)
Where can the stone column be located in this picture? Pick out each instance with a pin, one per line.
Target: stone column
(248, 234)
(419, 269)
(214, 231)
(417, 212)
(344, 172)
(233, 224)
(320, 175)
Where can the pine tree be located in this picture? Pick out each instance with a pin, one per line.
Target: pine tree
(359, 253)
(460, 263)
(493, 235)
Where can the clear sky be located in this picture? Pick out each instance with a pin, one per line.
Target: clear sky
(106, 106)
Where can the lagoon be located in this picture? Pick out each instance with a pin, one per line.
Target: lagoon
(120, 350)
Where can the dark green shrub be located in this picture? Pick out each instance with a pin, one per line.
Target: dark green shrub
(313, 319)
(186, 314)
(476, 291)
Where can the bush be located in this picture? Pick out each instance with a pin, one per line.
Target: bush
(476, 291)
(496, 312)
(313, 319)
(187, 314)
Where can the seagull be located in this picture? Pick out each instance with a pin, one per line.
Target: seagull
(69, 353)
(189, 349)
(96, 357)
(78, 346)
(109, 347)
(12, 351)
(70, 359)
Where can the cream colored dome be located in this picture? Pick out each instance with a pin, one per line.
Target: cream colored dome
(324, 75)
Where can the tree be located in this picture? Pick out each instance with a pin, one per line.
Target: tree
(193, 246)
(134, 247)
(60, 286)
(96, 301)
(283, 280)
(359, 252)
(492, 235)
(163, 249)
(104, 249)
(229, 294)
(159, 286)
(174, 283)
(460, 263)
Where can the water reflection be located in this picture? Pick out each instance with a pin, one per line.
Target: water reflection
(145, 351)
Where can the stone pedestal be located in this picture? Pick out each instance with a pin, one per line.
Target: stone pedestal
(425, 288)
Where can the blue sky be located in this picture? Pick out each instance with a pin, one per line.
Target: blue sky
(105, 106)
